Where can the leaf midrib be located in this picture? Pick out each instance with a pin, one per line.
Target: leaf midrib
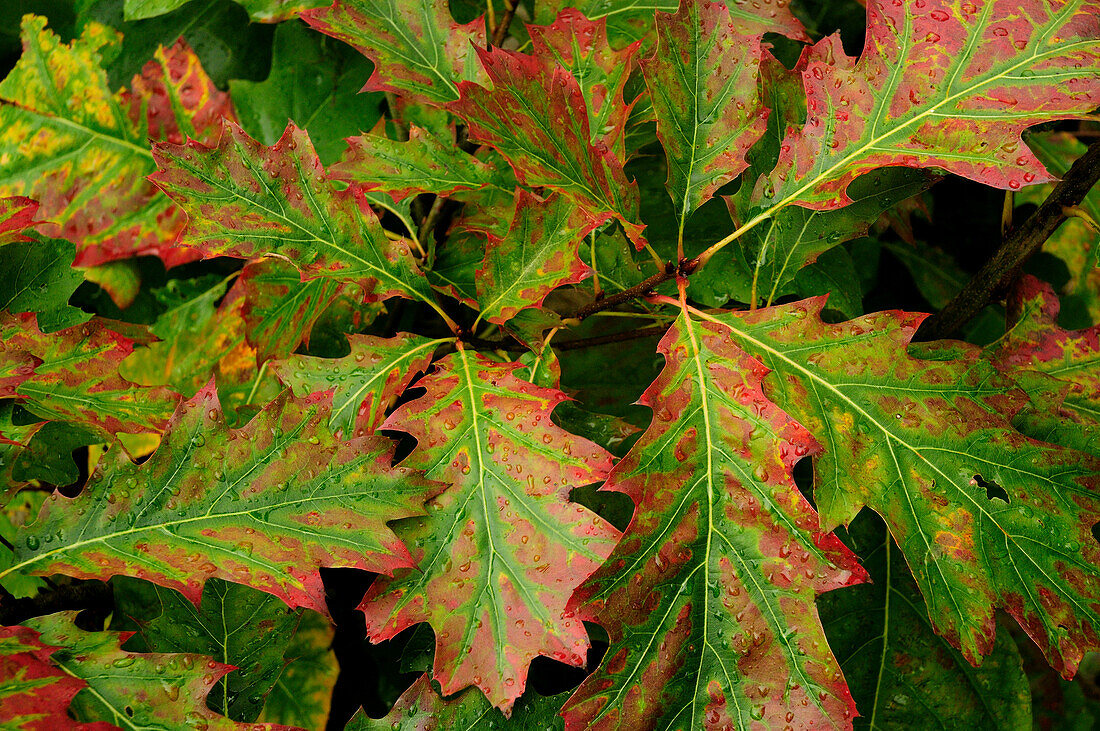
(379, 272)
(828, 173)
(979, 509)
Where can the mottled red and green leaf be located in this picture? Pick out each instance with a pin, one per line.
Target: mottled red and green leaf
(266, 505)
(939, 84)
(502, 549)
(364, 383)
(247, 201)
(534, 114)
(709, 597)
(82, 150)
(929, 445)
(73, 375)
(539, 253)
(417, 48)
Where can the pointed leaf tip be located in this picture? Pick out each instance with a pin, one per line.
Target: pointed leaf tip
(535, 115)
(704, 82)
(417, 48)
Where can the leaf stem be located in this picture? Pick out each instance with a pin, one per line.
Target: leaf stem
(426, 235)
(671, 270)
(256, 383)
(595, 271)
(680, 235)
(741, 231)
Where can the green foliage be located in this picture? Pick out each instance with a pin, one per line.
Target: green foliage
(233, 624)
(49, 656)
(512, 364)
(314, 80)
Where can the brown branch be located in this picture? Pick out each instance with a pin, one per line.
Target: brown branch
(511, 345)
(997, 274)
(505, 20)
(672, 270)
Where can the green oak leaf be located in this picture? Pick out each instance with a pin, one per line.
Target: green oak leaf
(901, 673)
(833, 274)
(501, 550)
(303, 692)
(48, 456)
(709, 596)
(456, 265)
(119, 688)
(38, 276)
(763, 264)
(985, 516)
(315, 82)
(224, 40)
(264, 11)
(17, 429)
(233, 624)
(365, 383)
(421, 706)
(17, 511)
(266, 505)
